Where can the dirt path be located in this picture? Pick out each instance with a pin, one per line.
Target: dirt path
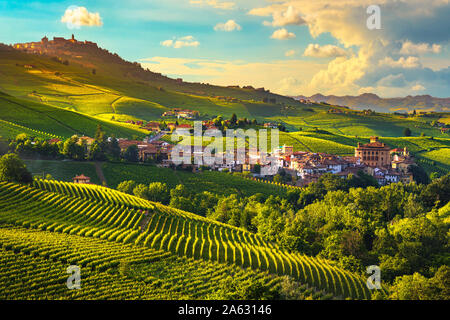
(99, 171)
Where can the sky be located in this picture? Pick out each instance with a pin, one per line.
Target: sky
(293, 47)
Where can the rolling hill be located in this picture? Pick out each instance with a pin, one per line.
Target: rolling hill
(118, 87)
(374, 102)
(42, 120)
(63, 77)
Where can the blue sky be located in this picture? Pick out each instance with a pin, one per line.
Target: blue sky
(290, 47)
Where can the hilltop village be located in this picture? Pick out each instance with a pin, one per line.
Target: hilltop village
(56, 46)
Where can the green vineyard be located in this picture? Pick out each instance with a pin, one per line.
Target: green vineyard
(111, 227)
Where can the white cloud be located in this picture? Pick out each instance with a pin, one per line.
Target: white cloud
(418, 87)
(326, 51)
(224, 5)
(75, 17)
(266, 11)
(377, 51)
(405, 63)
(290, 53)
(228, 26)
(290, 16)
(187, 41)
(409, 47)
(290, 85)
(282, 34)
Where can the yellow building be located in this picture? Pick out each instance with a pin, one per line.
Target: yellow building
(374, 154)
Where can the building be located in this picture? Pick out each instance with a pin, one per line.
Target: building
(181, 113)
(184, 126)
(82, 179)
(54, 141)
(271, 125)
(153, 126)
(287, 150)
(374, 153)
(88, 140)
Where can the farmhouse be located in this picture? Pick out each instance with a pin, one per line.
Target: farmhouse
(271, 125)
(82, 179)
(184, 126)
(181, 113)
(88, 140)
(153, 126)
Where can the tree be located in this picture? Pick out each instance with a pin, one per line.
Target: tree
(158, 192)
(100, 135)
(418, 287)
(131, 154)
(3, 147)
(437, 191)
(407, 132)
(22, 137)
(96, 153)
(233, 118)
(12, 169)
(113, 149)
(434, 175)
(73, 150)
(419, 174)
(277, 178)
(127, 186)
(141, 191)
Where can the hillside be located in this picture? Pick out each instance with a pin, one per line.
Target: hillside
(117, 87)
(42, 120)
(83, 214)
(63, 77)
(374, 102)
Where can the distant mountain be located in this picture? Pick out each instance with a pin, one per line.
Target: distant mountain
(374, 102)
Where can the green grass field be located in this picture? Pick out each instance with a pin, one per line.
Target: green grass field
(62, 170)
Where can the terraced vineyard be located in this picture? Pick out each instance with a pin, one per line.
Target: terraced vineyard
(122, 221)
(10, 130)
(34, 263)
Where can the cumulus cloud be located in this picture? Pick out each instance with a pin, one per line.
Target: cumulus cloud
(75, 17)
(290, 53)
(224, 5)
(326, 51)
(282, 34)
(187, 41)
(409, 47)
(418, 87)
(409, 29)
(402, 62)
(290, 16)
(228, 26)
(266, 11)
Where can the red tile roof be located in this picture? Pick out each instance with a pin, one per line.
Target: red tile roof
(81, 177)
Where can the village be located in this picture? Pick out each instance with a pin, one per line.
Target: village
(375, 158)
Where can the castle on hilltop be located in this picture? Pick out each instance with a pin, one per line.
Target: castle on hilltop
(46, 45)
